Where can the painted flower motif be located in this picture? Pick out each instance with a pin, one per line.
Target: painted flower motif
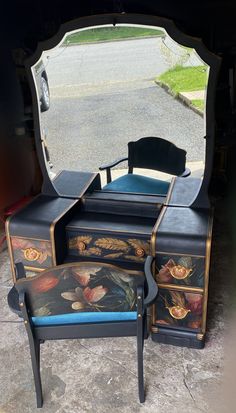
(42, 311)
(92, 295)
(194, 302)
(19, 243)
(84, 298)
(44, 283)
(32, 250)
(83, 274)
(164, 274)
(42, 258)
(162, 322)
(195, 324)
(46, 246)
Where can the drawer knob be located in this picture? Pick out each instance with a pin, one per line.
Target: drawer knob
(81, 246)
(180, 272)
(139, 252)
(31, 254)
(178, 312)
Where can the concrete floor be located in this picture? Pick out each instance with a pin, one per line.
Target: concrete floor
(100, 374)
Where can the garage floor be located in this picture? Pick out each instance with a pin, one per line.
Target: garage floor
(100, 374)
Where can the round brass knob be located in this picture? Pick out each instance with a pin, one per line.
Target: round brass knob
(81, 246)
(139, 252)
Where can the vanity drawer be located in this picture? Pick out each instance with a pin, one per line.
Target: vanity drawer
(179, 309)
(109, 237)
(182, 270)
(108, 247)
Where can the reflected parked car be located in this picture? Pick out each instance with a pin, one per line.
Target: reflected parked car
(42, 86)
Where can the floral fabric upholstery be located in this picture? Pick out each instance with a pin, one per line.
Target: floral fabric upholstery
(79, 288)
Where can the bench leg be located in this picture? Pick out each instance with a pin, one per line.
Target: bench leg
(140, 343)
(35, 359)
(34, 345)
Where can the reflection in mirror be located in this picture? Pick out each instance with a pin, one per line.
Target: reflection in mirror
(104, 87)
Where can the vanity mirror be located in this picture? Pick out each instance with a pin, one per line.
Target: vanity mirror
(110, 85)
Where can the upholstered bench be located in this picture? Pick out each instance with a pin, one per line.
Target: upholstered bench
(85, 300)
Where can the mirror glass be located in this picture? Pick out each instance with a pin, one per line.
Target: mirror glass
(103, 87)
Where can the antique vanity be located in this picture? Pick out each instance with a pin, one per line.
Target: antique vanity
(74, 220)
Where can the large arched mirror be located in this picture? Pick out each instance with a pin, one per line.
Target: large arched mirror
(103, 86)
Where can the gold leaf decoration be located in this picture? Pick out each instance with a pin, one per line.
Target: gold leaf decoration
(138, 244)
(177, 298)
(115, 255)
(73, 242)
(178, 310)
(134, 258)
(91, 251)
(32, 254)
(179, 272)
(112, 244)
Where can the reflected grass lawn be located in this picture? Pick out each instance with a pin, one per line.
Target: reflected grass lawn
(184, 79)
(199, 104)
(110, 33)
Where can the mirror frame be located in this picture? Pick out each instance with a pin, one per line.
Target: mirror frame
(200, 199)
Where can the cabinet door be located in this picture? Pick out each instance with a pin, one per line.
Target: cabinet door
(179, 309)
(31, 252)
(180, 270)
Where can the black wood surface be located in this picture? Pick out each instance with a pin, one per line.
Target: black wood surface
(74, 184)
(35, 219)
(139, 205)
(183, 231)
(111, 223)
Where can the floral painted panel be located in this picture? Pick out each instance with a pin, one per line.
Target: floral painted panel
(110, 248)
(32, 253)
(82, 287)
(180, 270)
(179, 309)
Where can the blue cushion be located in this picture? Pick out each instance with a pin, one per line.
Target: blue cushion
(80, 318)
(139, 184)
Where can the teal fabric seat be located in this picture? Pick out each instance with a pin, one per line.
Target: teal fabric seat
(138, 184)
(84, 318)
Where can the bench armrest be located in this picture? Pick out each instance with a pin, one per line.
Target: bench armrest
(108, 167)
(186, 173)
(151, 283)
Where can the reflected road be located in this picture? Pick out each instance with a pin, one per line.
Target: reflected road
(104, 95)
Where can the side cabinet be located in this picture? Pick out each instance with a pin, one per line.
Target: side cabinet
(36, 234)
(182, 245)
